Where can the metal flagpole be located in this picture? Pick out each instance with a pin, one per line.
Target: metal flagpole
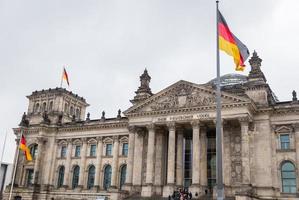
(3, 153)
(15, 167)
(62, 77)
(219, 182)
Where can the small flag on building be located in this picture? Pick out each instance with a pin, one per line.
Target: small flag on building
(65, 77)
(229, 43)
(25, 149)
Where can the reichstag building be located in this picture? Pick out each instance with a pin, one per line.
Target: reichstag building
(164, 141)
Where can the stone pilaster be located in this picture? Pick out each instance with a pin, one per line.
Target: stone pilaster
(245, 151)
(98, 163)
(68, 164)
(130, 161)
(179, 158)
(82, 163)
(168, 189)
(296, 130)
(36, 175)
(195, 157)
(52, 163)
(148, 189)
(115, 162)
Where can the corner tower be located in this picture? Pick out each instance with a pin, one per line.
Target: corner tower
(144, 90)
(55, 106)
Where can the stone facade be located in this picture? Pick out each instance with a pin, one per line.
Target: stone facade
(163, 142)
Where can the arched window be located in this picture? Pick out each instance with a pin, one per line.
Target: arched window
(36, 108)
(123, 172)
(65, 107)
(77, 113)
(60, 177)
(44, 106)
(51, 106)
(76, 173)
(91, 175)
(34, 150)
(107, 177)
(71, 110)
(288, 177)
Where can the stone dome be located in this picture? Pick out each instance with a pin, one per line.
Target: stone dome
(230, 79)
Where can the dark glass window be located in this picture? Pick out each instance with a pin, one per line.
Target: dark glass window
(109, 150)
(63, 152)
(93, 149)
(76, 173)
(107, 177)
(285, 141)
(91, 175)
(33, 151)
(288, 176)
(77, 151)
(60, 177)
(30, 173)
(125, 149)
(123, 172)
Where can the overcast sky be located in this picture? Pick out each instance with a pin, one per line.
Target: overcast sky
(106, 44)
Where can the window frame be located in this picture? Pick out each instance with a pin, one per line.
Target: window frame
(77, 151)
(107, 150)
(285, 145)
(287, 188)
(93, 152)
(125, 151)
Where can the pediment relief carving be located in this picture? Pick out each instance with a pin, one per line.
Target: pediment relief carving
(184, 95)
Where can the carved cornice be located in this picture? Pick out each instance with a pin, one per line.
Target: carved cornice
(195, 124)
(93, 127)
(150, 127)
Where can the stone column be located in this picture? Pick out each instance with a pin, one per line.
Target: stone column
(245, 151)
(68, 164)
(179, 157)
(115, 163)
(148, 189)
(98, 163)
(52, 163)
(203, 159)
(81, 184)
(36, 175)
(227, 156)
(168, 189)
(137, 167)
(130, 161)
(195, 157)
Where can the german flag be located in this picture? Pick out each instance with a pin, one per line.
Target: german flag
(25, 149)
(65, 77)
(229, 43)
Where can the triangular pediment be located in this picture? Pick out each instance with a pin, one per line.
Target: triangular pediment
(184, 94)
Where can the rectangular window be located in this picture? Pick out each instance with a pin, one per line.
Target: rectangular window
(108, 149)
(29, 177)
(77, 151)
(63, 152)
(284, 142)
(125, 149)
(93, 149)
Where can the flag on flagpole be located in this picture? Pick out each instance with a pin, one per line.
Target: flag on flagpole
(230, 44)
(65, 77)
(25, 149)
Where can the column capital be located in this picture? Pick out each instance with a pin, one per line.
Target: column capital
(69, 141)
(84, 140)
(150, 126)
(171, 125)
(99, 138)
(222, 121)
(132, 128)
(295, 127)
(115, 138)
(244, 121)
(195, 123)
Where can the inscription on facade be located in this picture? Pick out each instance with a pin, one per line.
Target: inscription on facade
(200, 116)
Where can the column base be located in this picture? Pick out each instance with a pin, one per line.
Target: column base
(195, 189)
(147, 190)
(168, 190)
(79, 188)
(96, 188)
(113, 188)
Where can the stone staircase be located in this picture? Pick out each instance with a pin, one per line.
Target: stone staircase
(138, 197)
